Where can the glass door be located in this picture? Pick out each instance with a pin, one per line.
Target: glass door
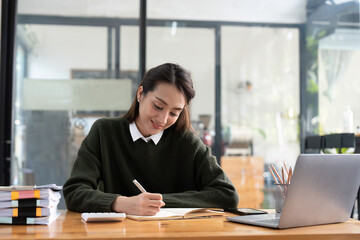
(260, 91)
(260, 105)
(68, 74)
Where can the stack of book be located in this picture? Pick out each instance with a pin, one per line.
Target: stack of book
(29, 204)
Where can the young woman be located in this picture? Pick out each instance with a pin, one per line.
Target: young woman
(154, 144)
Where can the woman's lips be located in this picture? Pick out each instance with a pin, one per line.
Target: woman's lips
(156, 125)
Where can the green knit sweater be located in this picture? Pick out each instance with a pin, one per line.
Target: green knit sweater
(180, 167)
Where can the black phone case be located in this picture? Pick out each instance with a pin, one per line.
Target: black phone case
(241, 213)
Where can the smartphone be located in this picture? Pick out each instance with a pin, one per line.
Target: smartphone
(245, 211)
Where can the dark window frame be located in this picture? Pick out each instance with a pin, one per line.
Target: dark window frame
(8, 26)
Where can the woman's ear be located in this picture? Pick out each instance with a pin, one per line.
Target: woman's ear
(139, 93)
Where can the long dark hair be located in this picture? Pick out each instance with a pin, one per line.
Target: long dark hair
(172, 74)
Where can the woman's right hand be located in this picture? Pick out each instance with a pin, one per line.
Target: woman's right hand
(144, 204)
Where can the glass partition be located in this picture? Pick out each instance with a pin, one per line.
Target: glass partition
(260, 105)
(331, 86)
(260, 92)
(71, 69)
(339, 54)
(333, 51)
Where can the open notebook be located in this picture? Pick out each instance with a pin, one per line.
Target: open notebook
(180, 213)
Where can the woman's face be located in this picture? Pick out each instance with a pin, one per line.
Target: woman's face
(158, 109)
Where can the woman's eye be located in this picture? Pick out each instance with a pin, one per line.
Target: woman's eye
(174, 114)
(157, 107)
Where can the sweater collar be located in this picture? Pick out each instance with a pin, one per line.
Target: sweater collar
(135, 134)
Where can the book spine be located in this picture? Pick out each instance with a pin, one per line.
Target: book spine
(25, 194)
(30, 202)
(27, 212)
(23, 203)
(19, 220)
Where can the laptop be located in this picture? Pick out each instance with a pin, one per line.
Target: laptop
(323, 190)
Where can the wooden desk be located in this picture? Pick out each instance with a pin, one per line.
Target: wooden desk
(70, 226)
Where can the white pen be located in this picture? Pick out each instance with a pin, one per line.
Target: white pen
(138, 185)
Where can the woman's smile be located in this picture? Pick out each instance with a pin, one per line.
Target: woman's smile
(157, 126)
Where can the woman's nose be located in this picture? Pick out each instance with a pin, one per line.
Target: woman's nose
(163, 117)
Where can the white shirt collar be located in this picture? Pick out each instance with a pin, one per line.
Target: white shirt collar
(135, 134)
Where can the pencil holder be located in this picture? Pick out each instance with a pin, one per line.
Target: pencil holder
(280, 195)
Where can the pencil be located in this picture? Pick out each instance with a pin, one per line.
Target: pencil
(290, 176)
(276, 173)
(286, 169)
(138, 185)
(273, 175)
(283, 174)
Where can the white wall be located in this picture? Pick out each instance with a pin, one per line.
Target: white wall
(85, 8)
(277, 11)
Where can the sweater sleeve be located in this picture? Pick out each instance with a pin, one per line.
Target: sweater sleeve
(214, 188)
(81, 191)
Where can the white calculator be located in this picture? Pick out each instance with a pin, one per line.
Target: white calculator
(103, 216)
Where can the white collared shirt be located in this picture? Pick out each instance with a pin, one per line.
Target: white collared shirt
(135, 134)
